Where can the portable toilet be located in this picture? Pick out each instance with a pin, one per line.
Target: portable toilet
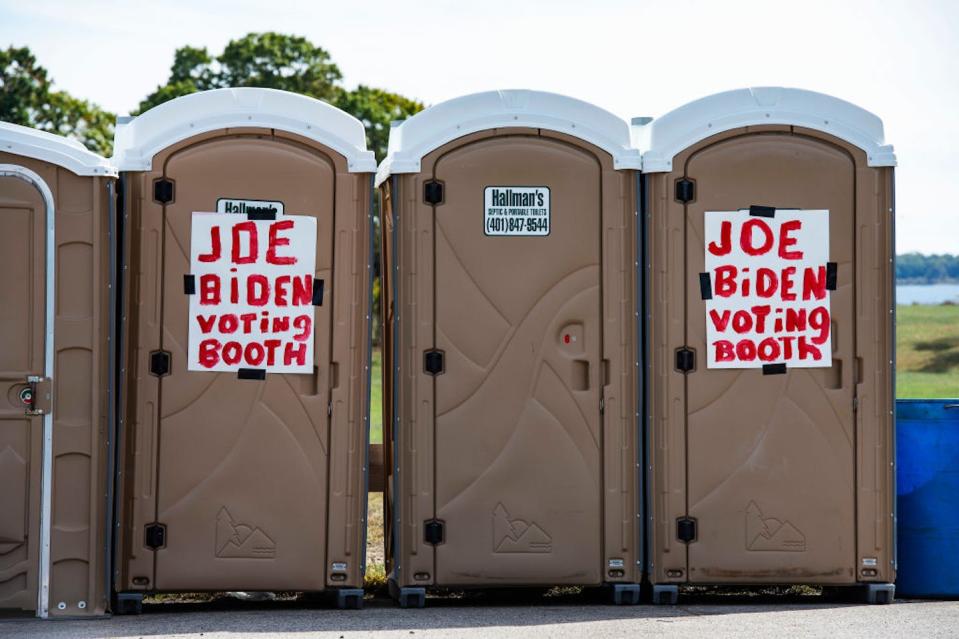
(56, 224)
(247, 251)
(770, 331)
(510, 347)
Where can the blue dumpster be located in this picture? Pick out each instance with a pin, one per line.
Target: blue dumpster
(927, 442)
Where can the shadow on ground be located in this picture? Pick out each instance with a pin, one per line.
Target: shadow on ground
(945, 354)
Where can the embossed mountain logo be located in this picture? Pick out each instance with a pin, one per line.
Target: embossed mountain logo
(767, 533)
(240, 541)
(516, 535)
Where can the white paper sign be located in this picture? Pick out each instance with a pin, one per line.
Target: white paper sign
(769, 280)
(516, 210)
(252, 307)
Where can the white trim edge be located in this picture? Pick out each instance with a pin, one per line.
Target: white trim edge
(56, 149)
(432, 128)
(663, 138)
(46, 466)
(138, 140)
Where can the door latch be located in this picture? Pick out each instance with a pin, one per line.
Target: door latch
(39, 397)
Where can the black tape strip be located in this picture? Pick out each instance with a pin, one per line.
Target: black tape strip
(774, 369)
(251, 373)
(762, 211)
(261, 215)
(705, 286)
(317, 292)
(189, 284)
(832, 274)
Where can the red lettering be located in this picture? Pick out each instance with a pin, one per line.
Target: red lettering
(304, 324)
(761, 312)
(249, 228)
(280, 290)
(206, 322)
(299, 353)
(814, 283)
(209, 289)
(766, 282)
(787, 345)
(254, 353)
(228, 323)
(271, 345)
(281, 324)
(257, 290)
(232, 352)
(819, 321)
(786, 240)
(746, 237)
(806, 350)
(720, 321)
(726, 280)
(276, 240)
(742, 321)
(724, 350)
(769, 349)
(302, 291)
(725, 243)
(209, 353)
(216, 249)
(795, 319)
(248, 319)
(786, 293)
(746, 350)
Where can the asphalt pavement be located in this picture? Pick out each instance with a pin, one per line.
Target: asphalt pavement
(517, 620)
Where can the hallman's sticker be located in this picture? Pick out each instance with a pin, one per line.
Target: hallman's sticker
(244, 207)
(516, 210)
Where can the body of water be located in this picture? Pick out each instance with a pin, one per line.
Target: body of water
(927, 293)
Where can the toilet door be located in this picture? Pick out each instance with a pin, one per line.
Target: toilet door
(23, 219)
(518, 334)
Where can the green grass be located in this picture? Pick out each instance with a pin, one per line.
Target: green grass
(376, 399)
(927, 351)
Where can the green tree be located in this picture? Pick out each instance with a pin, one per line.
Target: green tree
(290, 63)
(27, 97)
(377, 109)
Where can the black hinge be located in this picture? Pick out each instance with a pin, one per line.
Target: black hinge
(685, 359)
(160, 363)
(163, 191)
(433, 192)
(686, 529)
(434, 531)
(156, 536)
(685, 190)
(433, 362)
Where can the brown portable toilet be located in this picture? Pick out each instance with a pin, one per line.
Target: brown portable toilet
(509, 300)
(770, 333)
(56, 216)
(244, 467)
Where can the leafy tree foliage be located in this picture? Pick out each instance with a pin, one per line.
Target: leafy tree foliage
(377, 110)
(915, 268)
(27, 97)
(286, 62)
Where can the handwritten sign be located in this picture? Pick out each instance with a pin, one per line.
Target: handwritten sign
(253, 301)
(767, 286)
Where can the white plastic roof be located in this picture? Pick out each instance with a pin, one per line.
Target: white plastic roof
(439, 124)
(138, 140)
(664, 137)
(56, 149)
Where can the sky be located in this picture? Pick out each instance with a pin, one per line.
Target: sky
(897, 59)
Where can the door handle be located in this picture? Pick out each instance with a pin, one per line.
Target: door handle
(40, 396)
